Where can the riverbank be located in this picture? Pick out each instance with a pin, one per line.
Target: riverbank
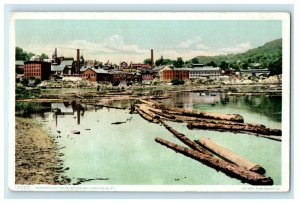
(36, 156)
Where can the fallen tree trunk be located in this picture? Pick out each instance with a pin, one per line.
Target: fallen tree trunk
(183, 112)
(230, 155)
(251, 128)
(229, 169)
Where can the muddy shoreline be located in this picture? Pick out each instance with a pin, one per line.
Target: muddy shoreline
(37, 156)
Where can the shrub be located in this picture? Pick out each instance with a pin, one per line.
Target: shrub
(177, 81)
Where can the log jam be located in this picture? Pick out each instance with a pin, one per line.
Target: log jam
(183, 112)
(227, 168)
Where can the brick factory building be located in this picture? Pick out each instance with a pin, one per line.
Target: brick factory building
(37, 69)
(168, 73)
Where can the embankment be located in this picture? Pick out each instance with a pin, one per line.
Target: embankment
(36, 155)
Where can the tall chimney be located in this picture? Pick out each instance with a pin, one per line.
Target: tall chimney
(152, 59)
(78, 62)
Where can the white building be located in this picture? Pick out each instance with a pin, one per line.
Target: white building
(206, 71)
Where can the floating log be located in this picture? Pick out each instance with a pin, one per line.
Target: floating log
(229, 169)
(183, 112)
(185, 140)
(146, 116)
(243, 128)
(230, 155)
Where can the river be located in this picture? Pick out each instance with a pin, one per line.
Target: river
(127, 154)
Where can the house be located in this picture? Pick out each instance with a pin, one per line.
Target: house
(96, 75)
(37, 69)
(204, 71)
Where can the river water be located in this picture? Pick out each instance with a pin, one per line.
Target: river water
(127, 154)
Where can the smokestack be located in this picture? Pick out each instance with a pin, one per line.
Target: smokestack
(152, 59)
(78, 62)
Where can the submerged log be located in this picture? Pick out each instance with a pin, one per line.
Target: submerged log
(250, 128)
(183, 112)
(230, 155)
(229, 169)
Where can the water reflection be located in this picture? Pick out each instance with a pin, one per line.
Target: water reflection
(269, 106)
(67, 108)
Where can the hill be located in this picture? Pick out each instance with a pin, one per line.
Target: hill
(268, 56)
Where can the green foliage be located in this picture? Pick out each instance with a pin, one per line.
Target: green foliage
(162, 61)
(177, 81)
(147, 61)
(212, 63)
(23, 93)
(195, 60)
(44, 56)
(37, 81)
(276, 67)
(81, 61)
(24, 81)
(23, 55)
(269, 56)
(178, 63)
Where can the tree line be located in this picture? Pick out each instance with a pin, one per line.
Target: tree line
(22, 55)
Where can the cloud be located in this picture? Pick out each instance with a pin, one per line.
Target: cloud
(238, 48)
(112, 45)
(190, 43)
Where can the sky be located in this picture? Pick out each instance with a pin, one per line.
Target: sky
(132, 40)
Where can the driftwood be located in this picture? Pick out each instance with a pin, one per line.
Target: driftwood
(229, 169)
(179, 111)
(251, 128)
(230, 155)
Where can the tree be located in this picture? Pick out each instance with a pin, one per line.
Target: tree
(177, 81)
(178, 63)
(19, 53)
(147, 61)
(44, 56)
(224, 65)
(212, 63)
(275, 67)
(81, 61)
(23, 55)
(195, 60)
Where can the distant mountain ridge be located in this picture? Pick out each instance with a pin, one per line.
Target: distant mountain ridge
(267, 56)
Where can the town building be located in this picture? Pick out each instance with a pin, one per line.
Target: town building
(254, 72)
(147, 76)
(37, 69)
(123, 65)
(19, 65)
(168, 73)
(96, 75)
(134, 67)
(204, 71)
(65, 68)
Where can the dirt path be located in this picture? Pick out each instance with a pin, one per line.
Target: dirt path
(36, 157)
